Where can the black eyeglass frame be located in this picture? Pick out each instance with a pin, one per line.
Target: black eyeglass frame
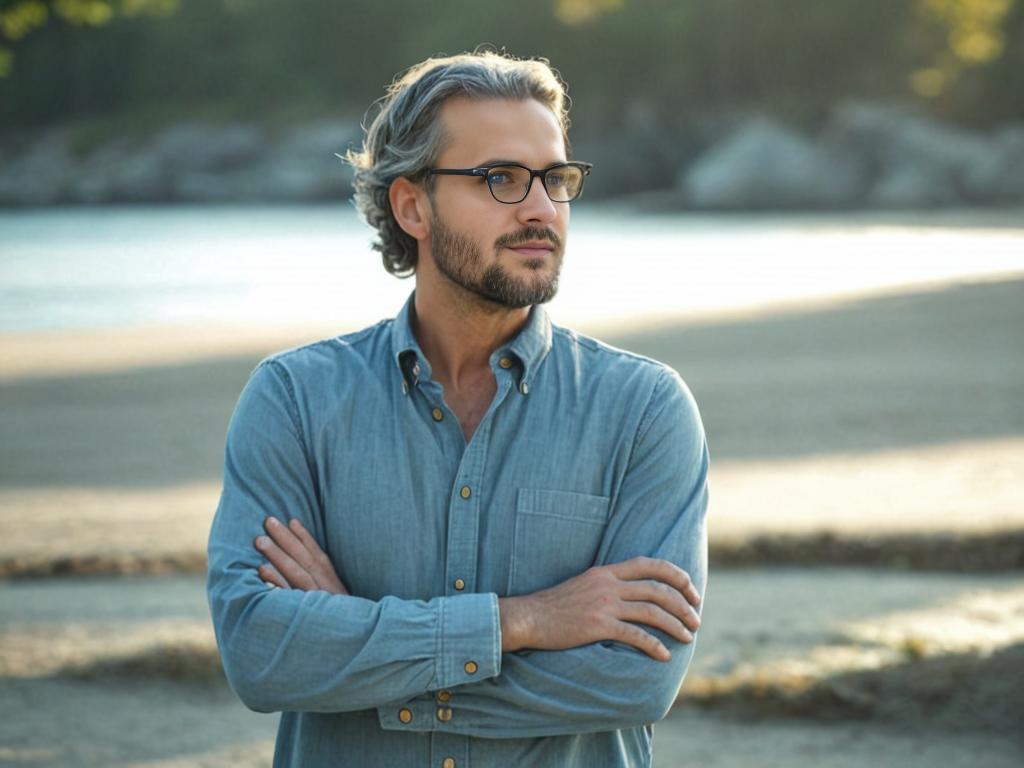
(485, 171)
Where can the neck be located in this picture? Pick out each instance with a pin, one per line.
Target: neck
(458, 332)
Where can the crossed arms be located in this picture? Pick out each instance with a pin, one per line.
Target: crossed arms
(570, 659)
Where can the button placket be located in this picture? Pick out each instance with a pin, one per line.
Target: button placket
(448, 750)
(463, 524)
(464, 509)
(464, 504)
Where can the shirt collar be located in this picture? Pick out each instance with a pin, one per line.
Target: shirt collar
(529, 347)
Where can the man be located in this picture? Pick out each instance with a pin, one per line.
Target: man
(486, 532)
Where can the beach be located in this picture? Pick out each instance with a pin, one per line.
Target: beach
(867, 535)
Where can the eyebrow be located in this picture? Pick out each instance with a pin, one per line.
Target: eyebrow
(506, 161)
(497, 161)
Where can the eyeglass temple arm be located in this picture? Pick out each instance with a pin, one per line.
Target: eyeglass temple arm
(459, 171)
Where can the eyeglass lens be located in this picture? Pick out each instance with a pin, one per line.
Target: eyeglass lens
(510, 183)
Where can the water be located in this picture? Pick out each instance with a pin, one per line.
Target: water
(102, 267)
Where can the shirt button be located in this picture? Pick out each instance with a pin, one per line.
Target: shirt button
(470, 667)
(460, 584)
(465, 492)
(437, 414)
(444, 696)
(405, 715)
(505, 363)
(444, 714)
(448, 762)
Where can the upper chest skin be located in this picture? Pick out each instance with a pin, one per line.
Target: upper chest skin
(470, 403)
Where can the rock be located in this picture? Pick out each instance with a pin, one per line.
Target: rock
(303, 167)
(998, 177)
(867, 155)
(765, 165)
(174, 165)
(40, 173)
(910, 185)
(120, 172)
(632, 164)
(916, 161)
(202, 147)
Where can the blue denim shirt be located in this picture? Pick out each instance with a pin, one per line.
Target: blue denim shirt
(587, 455)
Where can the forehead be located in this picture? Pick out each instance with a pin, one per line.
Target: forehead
(481, 130)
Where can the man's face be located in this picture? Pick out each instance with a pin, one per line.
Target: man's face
(508, 255)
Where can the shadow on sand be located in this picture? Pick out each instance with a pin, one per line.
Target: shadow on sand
(907, 370)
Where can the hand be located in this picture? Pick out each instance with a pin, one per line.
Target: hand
(597, 604)
(296, 560)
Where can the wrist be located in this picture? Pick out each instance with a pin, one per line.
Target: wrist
(516, 623)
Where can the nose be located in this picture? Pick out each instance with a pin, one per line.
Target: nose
(537, 208)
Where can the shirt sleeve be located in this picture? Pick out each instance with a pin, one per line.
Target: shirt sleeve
(312, 651)
(659, 512)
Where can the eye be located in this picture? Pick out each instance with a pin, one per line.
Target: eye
(500, 177)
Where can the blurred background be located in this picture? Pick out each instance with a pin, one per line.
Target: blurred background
(813, 211)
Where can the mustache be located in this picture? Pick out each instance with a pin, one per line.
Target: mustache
(526, 234)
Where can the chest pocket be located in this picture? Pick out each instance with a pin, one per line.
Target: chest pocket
(556, 536)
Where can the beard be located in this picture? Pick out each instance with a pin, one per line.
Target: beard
(460, 260)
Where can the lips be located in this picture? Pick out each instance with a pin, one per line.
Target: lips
(534, 248)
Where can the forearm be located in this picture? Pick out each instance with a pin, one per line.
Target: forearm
(597, 687)
(312, 651)
(516, 623)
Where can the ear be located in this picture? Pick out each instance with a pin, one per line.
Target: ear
(410, 206)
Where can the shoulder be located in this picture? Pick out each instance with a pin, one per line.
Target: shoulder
(593, 356)
(650, 383)
(316, 359)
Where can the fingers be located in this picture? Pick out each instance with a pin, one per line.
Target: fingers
(272, 578)
(655, 616)
(305, 561)
(287, 539)
(664, 596)
(306, 539)
(659, 570)
(644, 641)
(294, 574)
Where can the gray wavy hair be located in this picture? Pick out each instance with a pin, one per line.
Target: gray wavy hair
(405, 136)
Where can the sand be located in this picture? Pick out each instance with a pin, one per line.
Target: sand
(103, 672)
(884, 431)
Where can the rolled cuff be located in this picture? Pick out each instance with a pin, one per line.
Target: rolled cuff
(469, 650)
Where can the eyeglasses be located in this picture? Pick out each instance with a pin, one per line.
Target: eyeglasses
(510, 182)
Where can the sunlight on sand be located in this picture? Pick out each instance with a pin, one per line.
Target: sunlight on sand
(964, 487)
(967, 487)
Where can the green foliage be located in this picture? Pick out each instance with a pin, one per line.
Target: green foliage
(628, 62)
